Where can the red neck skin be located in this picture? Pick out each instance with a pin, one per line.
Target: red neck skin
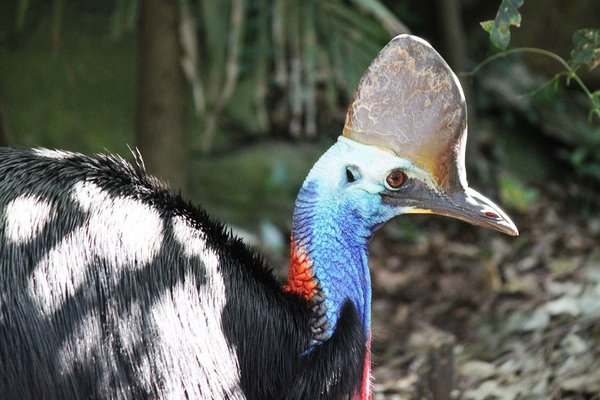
(301, 280)
(365, 387)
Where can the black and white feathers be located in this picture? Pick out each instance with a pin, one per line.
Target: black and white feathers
(112, 287)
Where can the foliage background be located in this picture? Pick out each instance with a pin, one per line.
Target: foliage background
(268, 82)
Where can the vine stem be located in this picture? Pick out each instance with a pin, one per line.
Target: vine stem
(571, 74)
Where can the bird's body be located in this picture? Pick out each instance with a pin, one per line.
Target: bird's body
(112, 287)
(119, 289)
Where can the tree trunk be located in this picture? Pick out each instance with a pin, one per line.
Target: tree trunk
(161, 98)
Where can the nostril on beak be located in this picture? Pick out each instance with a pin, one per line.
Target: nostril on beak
(490, 214)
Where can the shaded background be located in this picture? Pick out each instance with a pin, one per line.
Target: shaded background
(232, 101)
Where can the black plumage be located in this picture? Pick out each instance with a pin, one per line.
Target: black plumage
(267, 327)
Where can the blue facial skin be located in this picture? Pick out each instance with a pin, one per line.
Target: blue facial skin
(334, 220)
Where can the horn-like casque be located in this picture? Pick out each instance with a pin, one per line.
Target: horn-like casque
(410, 102)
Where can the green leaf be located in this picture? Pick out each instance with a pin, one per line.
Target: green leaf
(516, 194)
(499, 29)
(488, 26)
(586, 48)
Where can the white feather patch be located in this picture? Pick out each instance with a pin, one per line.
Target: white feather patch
(60, 273)
(25, 217)
(124, 232)
(198, 362)
(55, 154)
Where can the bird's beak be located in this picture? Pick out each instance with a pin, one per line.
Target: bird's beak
(465, 204)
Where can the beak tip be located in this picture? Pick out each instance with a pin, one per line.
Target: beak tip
(505, 225)
(508, 227)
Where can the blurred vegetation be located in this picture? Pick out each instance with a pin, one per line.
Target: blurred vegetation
(548, 109)
(70, 87)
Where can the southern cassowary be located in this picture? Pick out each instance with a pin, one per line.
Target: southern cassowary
(112, 287)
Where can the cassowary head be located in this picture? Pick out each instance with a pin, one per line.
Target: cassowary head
(403, 145)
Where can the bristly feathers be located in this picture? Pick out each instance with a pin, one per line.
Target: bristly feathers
(120, 289)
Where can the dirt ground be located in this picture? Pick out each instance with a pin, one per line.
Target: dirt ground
(459, 312)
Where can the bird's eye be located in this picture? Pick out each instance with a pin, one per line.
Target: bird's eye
(395, 179)
(352, 173)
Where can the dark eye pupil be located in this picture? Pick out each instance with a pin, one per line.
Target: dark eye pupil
(395, 179)
(350, 176)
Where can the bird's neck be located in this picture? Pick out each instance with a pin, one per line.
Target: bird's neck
(328, 267)
(328, 264)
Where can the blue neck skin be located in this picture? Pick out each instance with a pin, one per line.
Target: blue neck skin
(334, 220)
(336, 243)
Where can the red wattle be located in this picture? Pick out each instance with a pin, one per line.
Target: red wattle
(301, 279)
